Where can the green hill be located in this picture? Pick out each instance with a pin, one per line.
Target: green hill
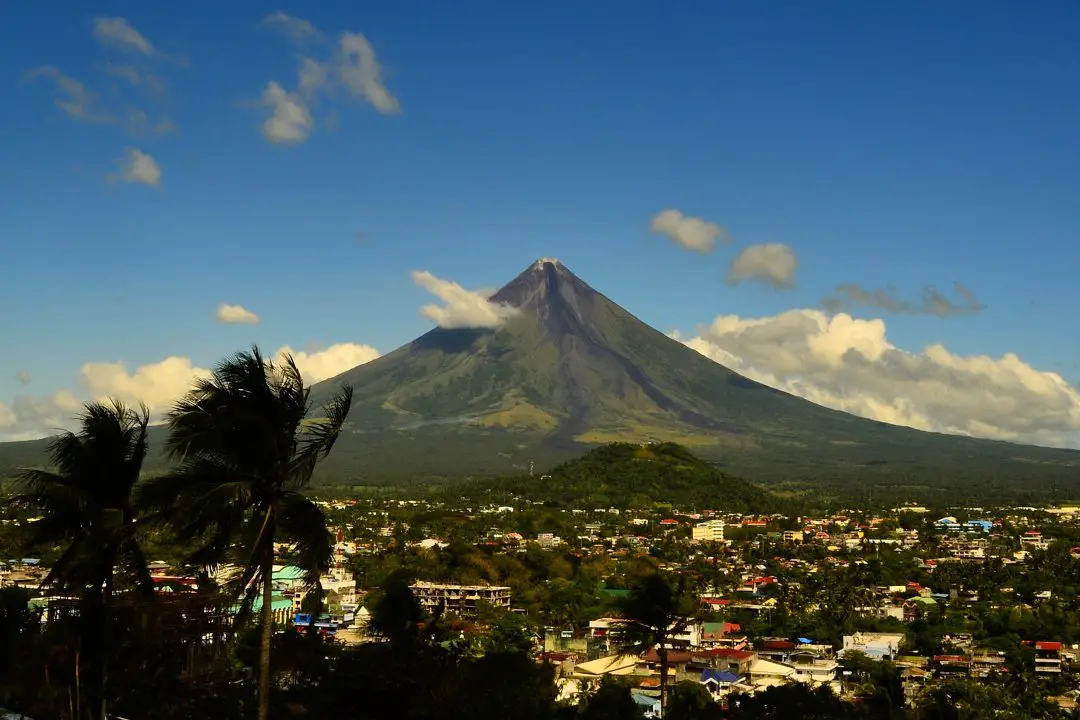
(640, 475)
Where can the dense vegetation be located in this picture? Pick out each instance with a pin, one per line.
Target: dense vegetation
(628, 475)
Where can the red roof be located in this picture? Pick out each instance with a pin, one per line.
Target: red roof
(778, 645)
(1047, 646)
(732, 627)
(669, 521)
(733, 654)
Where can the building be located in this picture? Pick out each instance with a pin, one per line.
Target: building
(709, 531)
(459, 599)
(878, 646)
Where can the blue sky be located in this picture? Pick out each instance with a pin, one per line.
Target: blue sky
(893, 146)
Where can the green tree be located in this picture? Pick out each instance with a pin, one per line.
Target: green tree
(88, 508)
(691, 701)
(610, 701)
(247, 448)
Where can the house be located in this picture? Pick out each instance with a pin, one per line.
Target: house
(879, 646)
(1047, 657)
(718, 682)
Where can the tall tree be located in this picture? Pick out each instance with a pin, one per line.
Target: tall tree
(246, 448)
(654, 613)
(88, 507)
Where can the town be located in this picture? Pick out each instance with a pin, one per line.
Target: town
(882, 611)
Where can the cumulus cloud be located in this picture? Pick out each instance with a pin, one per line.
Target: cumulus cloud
(350, 67)
(73, 99)
(157, 384)
(116, 32)
(849, 364)
(138, 167)
(23, 377)
(235, 315)
(932, 302)
(296, 29)
(330, 362)
(289, 121)
(689, 232)
(463, 308)
(769, 263)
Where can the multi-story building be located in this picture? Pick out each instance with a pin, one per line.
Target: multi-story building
(708, 531)
(459, 599)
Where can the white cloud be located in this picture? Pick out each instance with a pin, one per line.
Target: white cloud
(769, 263)
(75, 100)
(849, 364)
(689, 232)
(463, 308)
(361, 73)
(116, 32)
(157, 384)
(23, 377)
(328, 363)
(296, 29)
(235, 315)
(138, 167)
(290, 121)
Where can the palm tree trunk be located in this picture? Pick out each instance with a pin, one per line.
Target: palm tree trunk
(663, 676)
(267, 632)
(106, 604)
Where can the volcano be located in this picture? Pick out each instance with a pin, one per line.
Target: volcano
(568, 370)
(572, 369)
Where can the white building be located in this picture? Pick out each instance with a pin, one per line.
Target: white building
(879, 646)
(709, 531)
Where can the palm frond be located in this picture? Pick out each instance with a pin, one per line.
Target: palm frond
(301, 521)
(319, 437)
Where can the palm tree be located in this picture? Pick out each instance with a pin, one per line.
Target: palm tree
(87, 506)
(246, 449)
(654, 612)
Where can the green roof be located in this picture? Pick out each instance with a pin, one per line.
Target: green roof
(615, 592)
(276, 605)
(289, 572)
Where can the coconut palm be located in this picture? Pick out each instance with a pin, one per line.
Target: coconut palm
(654, 612)
(87, 507)
(246, 449)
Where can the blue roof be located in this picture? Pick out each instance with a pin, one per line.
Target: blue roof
(642, 699)
(805, 641)
(719, 676)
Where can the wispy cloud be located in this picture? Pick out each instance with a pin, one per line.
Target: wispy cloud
(73, 99)
(23, 377)
(691, 233)
(932, 301)
(298, 30)
(138, 167)
(361, 73)
(117, 33)
(235, 315)
(351, 68)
